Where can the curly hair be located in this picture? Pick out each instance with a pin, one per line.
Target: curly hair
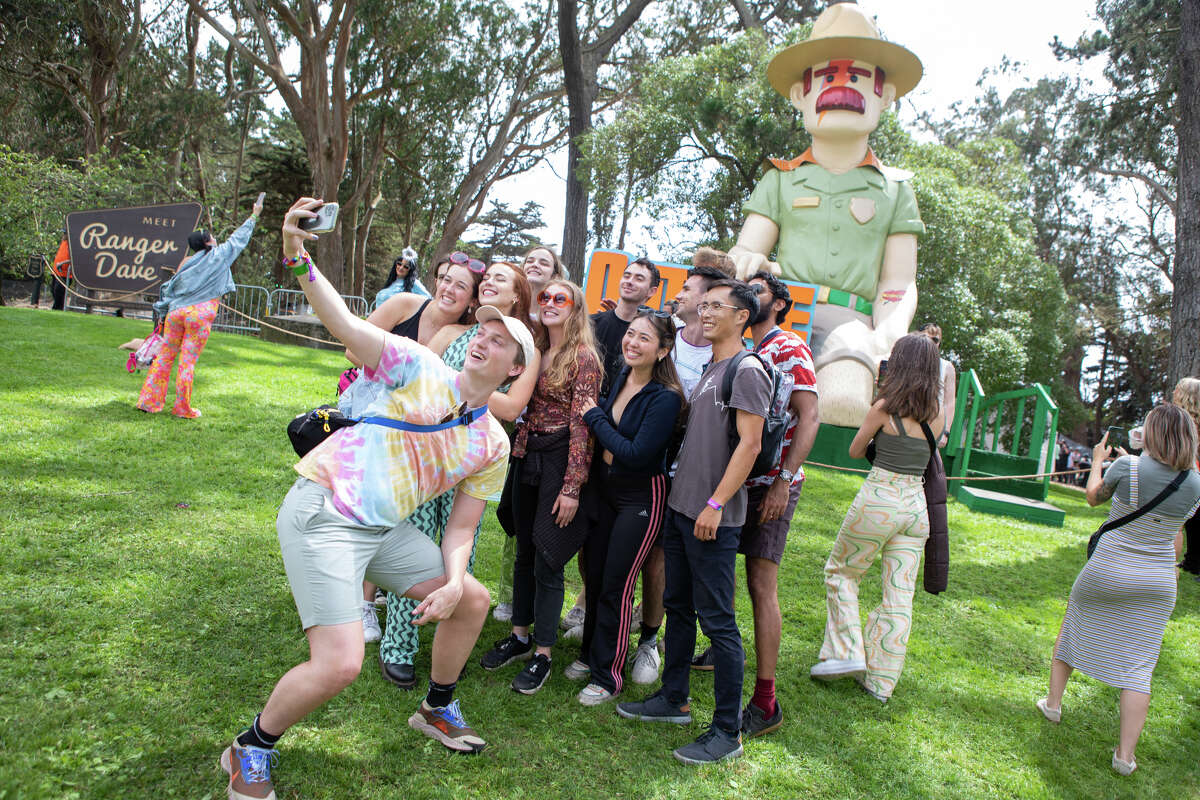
(1187, 397)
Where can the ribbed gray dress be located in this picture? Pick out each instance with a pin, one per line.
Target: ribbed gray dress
(1121, 601)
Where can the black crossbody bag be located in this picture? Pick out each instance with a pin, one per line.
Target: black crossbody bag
(1132, 515)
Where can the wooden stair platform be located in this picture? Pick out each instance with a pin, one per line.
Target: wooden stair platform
(1008, 505)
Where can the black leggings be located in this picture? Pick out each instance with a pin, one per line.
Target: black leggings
(537, 586)
(629, 513)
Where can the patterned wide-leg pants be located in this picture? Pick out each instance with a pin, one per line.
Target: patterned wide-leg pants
(401, 637)
(888, 518)
(185, 333)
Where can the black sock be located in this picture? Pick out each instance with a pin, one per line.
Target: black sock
(649, 633)
(255, 736)
(440, 694)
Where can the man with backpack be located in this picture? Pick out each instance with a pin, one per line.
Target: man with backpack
(705, 513)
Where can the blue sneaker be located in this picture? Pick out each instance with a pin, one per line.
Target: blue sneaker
(249, 770)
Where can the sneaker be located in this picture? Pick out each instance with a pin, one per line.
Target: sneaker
(505, 651)
(575, 633)
(1052, 714)
(371, 630)
(657, 708)
(249, 771)
(711, 746)
(755, 722)
(833, 668)
(645, 664)
(1123, 767)
(534, 676)
(574, 617)
(502, 612)
(594, 694)
(380, 598)
(704, 661)
(577, 671)
(446, 725)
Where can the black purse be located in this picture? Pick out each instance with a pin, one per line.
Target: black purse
(309, 429)
(1094, 539)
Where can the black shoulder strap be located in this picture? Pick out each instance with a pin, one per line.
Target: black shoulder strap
(774, 332)
(1132, 515)
(929, 438)
(727, 379)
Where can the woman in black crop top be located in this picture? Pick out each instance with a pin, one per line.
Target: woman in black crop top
(888, 519)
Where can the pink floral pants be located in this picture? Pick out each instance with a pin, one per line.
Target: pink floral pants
(186, 332)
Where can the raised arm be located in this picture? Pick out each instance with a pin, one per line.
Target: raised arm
(358, 335)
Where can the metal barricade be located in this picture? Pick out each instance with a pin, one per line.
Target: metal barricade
(288, 302)
(249, 300)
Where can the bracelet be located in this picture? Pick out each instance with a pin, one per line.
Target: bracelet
(714, 505)
(301, 264)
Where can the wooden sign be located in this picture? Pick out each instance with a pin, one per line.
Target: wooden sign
(129, 249)
(606, 266)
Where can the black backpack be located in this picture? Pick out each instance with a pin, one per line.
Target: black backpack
(778, 417)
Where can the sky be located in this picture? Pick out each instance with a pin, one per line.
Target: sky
(956, 41)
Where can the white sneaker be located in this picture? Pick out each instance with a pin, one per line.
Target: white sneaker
(574, 633)
(574, 617)
(645, 664)
(502, 612)
(577, 671)
(833, 668)
(594, 695)
(371, 629)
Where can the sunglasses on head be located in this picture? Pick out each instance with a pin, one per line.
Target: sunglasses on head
(653, 312)
(462, 259)
(558, 299)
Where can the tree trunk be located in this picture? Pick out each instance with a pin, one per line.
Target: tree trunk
(579, 115)
(1185, 302)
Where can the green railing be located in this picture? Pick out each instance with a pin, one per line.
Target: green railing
(1007, 433)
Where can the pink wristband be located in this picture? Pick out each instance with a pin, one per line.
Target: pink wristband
(714, 505)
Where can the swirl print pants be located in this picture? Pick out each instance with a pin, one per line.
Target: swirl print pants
(888, 519)
(186, 332)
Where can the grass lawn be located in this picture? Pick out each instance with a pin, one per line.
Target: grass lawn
(144, 617)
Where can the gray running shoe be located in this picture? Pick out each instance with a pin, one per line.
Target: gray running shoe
(756, 723)
(657, 708)
(711, 746)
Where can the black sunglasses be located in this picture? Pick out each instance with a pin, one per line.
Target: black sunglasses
(656, 312)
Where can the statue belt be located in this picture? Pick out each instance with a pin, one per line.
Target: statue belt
(836, 297)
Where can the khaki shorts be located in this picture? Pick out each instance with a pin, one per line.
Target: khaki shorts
(326, 556)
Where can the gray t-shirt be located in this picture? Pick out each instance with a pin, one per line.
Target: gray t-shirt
(705, 452)
(1153, 477)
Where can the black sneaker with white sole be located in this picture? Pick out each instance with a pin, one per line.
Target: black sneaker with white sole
(505, 651)
(713, 745)
(534, 676)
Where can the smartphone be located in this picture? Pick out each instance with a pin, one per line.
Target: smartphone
(882, 370)
(1116, 437)
(324, 221)
(261, 196)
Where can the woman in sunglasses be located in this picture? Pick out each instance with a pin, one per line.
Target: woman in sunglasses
(551, 455)
(633, 426)
(404, 276)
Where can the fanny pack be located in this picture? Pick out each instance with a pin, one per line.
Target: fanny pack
(311, 428)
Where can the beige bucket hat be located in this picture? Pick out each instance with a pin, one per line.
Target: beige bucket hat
(844, 31)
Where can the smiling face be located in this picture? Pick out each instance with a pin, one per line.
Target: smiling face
(641, 346)
(635, 286)
(842, 96)
(689, 294)
(492, 353)
(499, 288)
(556, 312)
(539, 266)
(401, 269)
(720, 317)
(455, 291)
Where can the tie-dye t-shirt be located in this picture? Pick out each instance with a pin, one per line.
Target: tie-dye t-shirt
(377, 474)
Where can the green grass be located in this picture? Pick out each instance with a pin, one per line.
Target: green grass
(139, 634)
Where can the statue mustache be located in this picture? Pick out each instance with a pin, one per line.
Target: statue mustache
(841, 98)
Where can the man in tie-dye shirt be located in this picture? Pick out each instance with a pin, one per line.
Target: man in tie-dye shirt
(344, 518)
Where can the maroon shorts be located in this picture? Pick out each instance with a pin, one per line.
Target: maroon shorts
(768, 539)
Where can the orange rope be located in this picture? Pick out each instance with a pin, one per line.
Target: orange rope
(962, 478)
(281, 330)
(98, 302)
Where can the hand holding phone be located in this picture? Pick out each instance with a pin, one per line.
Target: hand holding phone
(258, 204)
(1116, 437)
(324, 221)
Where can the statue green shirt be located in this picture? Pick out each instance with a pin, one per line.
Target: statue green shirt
(833, 228)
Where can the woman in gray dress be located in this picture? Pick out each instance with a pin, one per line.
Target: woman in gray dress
(1120, 603)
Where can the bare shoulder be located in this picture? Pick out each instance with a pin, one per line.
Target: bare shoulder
(395, 309)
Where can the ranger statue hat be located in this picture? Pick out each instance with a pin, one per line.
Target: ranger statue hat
(844, 31)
